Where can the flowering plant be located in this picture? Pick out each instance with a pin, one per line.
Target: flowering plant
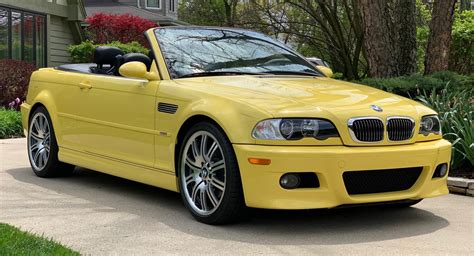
(15, 104)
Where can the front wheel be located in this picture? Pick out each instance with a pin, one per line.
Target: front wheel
(209, 177)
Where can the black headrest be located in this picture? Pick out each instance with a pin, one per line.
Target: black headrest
(106, 55)
(137, 57)
(151, 55)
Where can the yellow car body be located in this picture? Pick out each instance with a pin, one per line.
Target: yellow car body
(111, 124)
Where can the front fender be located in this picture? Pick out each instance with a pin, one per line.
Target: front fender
(235, 119)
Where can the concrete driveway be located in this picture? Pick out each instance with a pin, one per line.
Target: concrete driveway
(98, 214)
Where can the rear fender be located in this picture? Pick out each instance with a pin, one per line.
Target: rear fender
(45, 98)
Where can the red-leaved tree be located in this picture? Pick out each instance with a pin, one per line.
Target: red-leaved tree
(105, 28)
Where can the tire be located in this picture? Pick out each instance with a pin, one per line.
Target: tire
(43, 147)
(210, 183)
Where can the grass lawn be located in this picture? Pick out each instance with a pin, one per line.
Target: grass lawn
(10, 124)
(16, 242)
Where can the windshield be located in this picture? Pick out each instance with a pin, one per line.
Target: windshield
(216, 51)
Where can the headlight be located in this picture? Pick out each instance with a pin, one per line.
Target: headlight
(294, 129)
(430, 124)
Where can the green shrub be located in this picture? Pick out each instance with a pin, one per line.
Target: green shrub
(449, 94)
(462, 47)
(84, 52)
(456, 111)
(10, 123)
(410, 86)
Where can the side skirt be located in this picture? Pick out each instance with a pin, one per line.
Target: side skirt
(157, 178)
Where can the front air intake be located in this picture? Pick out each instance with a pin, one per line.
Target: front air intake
(380, 181)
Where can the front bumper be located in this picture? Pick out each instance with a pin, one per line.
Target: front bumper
(262, 188)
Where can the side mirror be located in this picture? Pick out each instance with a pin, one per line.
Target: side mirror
(326, 71)
(136, 69)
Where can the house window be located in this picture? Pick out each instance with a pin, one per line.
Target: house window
(15, 27)
(4, 36)
(28, 38)
(172, 7)
(40, 41)
(22, 36)
(153, 4)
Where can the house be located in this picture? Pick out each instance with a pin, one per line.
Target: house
(40, 31)
(162, 12)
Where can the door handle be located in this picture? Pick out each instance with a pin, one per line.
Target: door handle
(85, 85)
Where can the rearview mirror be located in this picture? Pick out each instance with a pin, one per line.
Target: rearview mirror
(136, 69)
(326, 71)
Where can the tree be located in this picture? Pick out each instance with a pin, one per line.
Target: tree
(125, 28)
(406, 36)
(230, 7)
(465, 5)
(461, 58)
(439, 41)
(389, 36)
(209, 12)
(330, 29)
(381, 52)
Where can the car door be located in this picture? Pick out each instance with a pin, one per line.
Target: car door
(116, 118)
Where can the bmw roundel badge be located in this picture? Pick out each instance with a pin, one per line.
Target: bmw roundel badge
(376, 108)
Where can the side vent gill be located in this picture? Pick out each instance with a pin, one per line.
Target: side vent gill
(167, 108)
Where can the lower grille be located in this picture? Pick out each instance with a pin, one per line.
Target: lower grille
(366, 129)
(400, 129)
(380, 181)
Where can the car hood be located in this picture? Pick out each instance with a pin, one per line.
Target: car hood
(298, 96)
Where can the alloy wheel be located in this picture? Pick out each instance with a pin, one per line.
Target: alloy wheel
(203, 173)
(39, 141)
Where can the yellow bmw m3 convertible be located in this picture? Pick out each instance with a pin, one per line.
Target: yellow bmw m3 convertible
(233, 119)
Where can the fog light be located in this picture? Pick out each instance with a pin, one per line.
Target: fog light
(441, 171)
(290, 181)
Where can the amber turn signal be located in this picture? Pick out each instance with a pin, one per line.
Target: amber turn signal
(260, 161)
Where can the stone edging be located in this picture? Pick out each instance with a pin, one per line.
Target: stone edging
(461, 186)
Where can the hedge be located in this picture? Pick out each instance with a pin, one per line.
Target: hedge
(412, 85)
(84, 52)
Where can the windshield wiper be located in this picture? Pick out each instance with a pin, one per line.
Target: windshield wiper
(282, 72)
(220, 73)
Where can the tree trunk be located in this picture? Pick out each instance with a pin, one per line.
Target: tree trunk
(406, 36)
(379, 47)
(228, 13)
(230, 8)
(439, 41)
